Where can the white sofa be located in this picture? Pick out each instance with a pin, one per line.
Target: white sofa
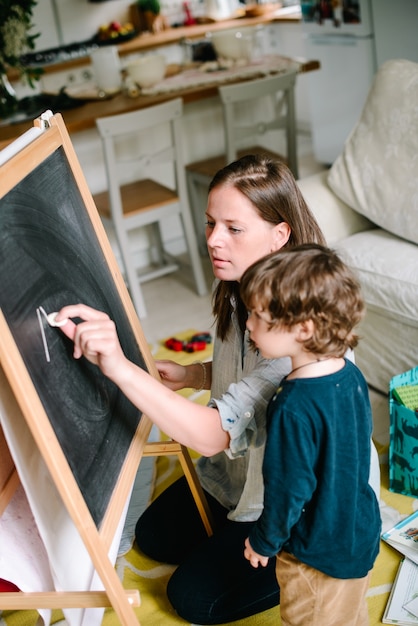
(367, 206)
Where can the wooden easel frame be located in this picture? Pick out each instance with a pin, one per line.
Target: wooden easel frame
(97, 542)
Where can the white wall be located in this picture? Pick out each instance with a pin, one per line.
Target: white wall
(395, 29)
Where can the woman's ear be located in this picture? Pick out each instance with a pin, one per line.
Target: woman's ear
(282, 233)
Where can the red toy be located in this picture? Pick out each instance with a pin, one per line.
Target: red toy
(194, 346)
(196, 343)
(174, 344)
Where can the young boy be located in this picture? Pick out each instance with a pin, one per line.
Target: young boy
(320, 517)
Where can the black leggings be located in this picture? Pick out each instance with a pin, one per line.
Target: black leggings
(214, 583)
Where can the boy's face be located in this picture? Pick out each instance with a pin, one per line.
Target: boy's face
(275, 342)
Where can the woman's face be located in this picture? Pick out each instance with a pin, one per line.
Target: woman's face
(236, 235)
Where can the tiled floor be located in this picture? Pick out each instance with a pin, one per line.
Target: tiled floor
(173, 306)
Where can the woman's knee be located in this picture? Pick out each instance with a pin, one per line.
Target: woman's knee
(216, 585)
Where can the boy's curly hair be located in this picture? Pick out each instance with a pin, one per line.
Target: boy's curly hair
(307, 282)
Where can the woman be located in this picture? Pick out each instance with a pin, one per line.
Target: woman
(254, 208)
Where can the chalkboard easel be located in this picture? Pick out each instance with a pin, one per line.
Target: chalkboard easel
(62, 418)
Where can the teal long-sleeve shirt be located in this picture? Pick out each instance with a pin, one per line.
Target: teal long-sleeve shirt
(318, 504)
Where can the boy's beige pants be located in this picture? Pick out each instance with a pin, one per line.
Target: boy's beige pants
(310, 598)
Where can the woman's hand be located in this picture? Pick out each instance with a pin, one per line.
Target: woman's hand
(253, 557)
(95, 338)
(173, 375)
(176, 376)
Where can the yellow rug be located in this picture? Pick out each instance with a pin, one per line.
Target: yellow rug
(150, 577)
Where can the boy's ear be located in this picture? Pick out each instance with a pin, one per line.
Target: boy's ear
(305, 330)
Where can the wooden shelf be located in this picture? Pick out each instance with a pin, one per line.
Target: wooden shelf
(148, 41)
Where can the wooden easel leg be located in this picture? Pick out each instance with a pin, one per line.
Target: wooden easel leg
(168, 448)
(196, 489)
(19, 601)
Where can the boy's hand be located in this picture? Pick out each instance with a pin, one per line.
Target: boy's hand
(95, 338)
(253, 557)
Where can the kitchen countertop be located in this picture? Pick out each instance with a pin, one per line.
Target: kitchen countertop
(84, 116)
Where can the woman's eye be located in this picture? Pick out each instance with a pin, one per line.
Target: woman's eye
(209, 224)
(235, 230)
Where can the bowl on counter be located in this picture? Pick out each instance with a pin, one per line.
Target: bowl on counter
(253, 10)
(147, 70)
(235, 43)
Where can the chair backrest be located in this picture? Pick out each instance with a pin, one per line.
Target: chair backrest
(141, 144)
(280, 89)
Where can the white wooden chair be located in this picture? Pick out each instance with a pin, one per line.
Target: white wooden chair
(240, 135)
(146, 187)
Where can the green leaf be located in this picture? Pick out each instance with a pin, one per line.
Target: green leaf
(150, 5)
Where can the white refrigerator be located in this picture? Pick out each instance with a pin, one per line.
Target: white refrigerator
(340, 36)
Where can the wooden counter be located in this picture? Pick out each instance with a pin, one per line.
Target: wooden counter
(84, 117)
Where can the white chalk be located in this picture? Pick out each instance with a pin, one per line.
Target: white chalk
(38, 313)
(52, 321)
(51, 318)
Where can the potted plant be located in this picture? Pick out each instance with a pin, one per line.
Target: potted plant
(15, 40)
(146, 16)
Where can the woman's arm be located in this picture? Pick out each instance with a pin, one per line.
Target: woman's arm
(176, 376)
(198, 427)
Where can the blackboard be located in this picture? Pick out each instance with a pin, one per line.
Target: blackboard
(49, 257)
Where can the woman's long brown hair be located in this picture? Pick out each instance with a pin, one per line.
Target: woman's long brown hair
(271, 187)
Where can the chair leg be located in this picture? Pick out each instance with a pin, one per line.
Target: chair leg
(194, 187)
(130, 272)
(157, 247)
(195, 260)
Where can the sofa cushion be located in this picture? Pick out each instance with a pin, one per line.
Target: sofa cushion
(387, 267)
(335, 218)
(377, 172)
